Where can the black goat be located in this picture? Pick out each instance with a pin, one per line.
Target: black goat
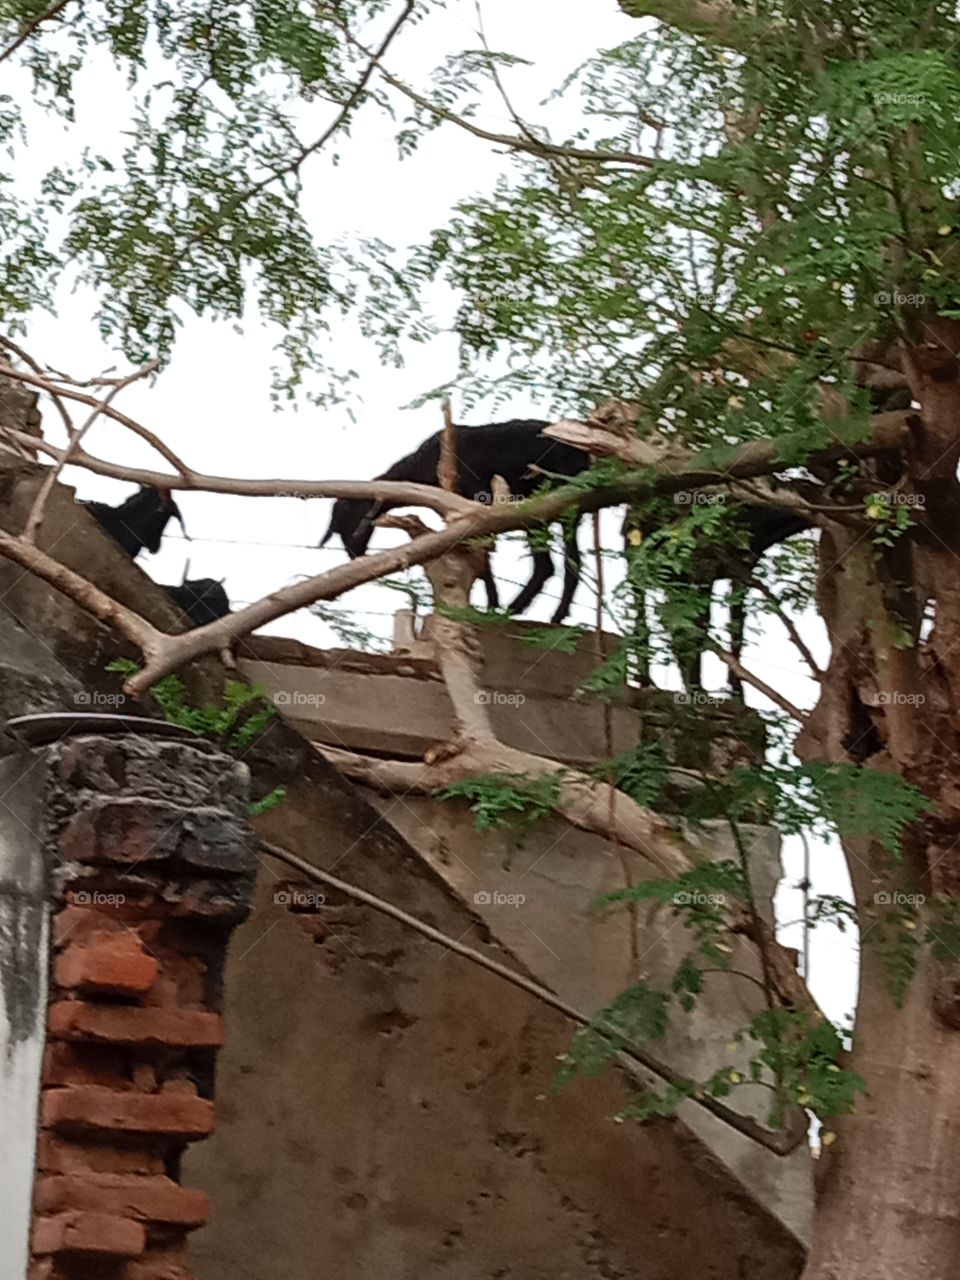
(733, 552)
(507, 449)
(139, 521)
(200, 600)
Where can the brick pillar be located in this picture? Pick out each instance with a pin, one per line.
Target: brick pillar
(151, 872)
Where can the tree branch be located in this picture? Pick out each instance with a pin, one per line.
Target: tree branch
(781, 1142)
(35, 518)
(136, 629)
(390, 490)
(354, 97)
(545, 150)
(29, 361)
(718, 22)
(790, 626)
(748, 678)
(102, 406)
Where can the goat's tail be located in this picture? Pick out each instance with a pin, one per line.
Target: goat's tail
(328, 535)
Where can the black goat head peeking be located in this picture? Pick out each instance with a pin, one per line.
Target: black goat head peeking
(138, 522)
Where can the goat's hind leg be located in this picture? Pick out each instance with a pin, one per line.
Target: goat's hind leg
(572, 562)
(541, 575)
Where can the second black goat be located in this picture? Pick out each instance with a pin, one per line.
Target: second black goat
(138, 522)
(200, 600)
(508, 449)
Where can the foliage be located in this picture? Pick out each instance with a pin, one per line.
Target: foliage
(194, 201)
(797, 1051)
(700, 898)
(855, 801)
(641, 774)
(236, 723)
(267, 802)
(515, 801)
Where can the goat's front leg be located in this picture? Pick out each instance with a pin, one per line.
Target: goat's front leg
(542, 573)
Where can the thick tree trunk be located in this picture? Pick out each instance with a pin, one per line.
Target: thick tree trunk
(888, 1206)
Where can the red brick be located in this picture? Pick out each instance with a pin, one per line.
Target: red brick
(117, 965)
(58, 1155)
(135, 1025)
(80, 923)
(78, 1232)
(89, 1108)
(156, 1199)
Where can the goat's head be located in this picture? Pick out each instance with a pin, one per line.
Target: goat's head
(352, 521)
(147, 513)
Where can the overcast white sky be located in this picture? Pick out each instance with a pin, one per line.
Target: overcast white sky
(212, 403)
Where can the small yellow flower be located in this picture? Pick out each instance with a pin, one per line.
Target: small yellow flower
(828, 1137)
(944, 230)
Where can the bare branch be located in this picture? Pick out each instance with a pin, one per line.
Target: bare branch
(716, 21)
(35, 518)
(448, 472)
(749, 678)
(782, 1142)
(754, 458)
(29, 361)
(422, 495)
(583, 801)
(790, 626)
(136, 629)
(34, 380)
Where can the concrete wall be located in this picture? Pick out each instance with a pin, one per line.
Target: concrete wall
(384, 1109)
(387, 1113)
(23, 986)
(539, 900)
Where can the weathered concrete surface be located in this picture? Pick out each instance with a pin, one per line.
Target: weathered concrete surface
(397, 705)
(539, 900)
(386, 1108)
(23, 996)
